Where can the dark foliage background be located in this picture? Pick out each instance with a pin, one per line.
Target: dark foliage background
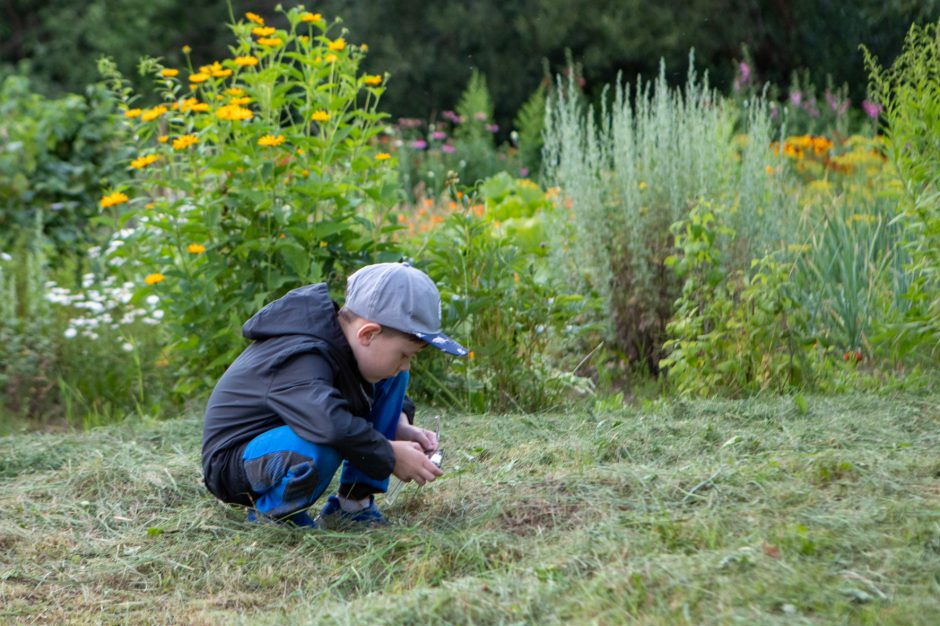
(431, 48)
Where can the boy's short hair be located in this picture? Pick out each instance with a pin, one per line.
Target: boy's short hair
(348, 316)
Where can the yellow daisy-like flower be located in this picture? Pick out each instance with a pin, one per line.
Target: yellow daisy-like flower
(149, 205)
(270, 41)
(169, 73)
(246, 61)
(187, 49)
(113, 198)
(364, 47)
(263, 31)
(331, 58)
(337, 45)
(271, 140)
(163, 138)
(235, 91)
(132, 112)
(233, 112)
(382, 156)
(144, 161)
(372, 80)
(311, 17)
(254, 17)
(195, 248)
(218, 71)
(198, 77)
(153, 113)
(320, 116)
(153, 279)
(184, 141)
(240, 101)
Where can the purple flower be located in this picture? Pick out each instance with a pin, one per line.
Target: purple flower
(438, 135)
(419, 144)
(774, 111)
(744, 76)
(523, 171)
(810, 107)
(452, 117)
(447, 148)
(493, 128)
(409, 122)
(872, 109)
(479, 116)
(796, 98)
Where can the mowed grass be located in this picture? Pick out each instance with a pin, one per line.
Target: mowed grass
(717, 512)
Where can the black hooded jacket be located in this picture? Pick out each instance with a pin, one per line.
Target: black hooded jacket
(299, 371)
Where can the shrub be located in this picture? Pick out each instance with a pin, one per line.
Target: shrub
(501, 297)
(57, 153)
(909, 91)
(631, 171)
(255, 174)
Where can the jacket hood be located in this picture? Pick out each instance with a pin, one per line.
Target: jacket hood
(307, 310)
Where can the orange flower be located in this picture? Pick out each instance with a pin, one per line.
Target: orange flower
(270, 41)
(382, 156)
(246, 61)
(372, 80)
(132, 112)
(311, 17)
(169, 73)
(263, 31)
(254, 17)
(320, 116)
(195, 248)
(153, 279)
(113, 198)
(338, 45)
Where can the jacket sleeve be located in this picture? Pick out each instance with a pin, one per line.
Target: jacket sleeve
(303, 394)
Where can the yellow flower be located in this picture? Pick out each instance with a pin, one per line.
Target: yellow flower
(337, 45)
(113, 198)
(153, 113)
(320, 116)
(331, 58)
(195, 248)
(471, 355)
(218, 71)
(184, 141)
(132, 112)
(382, 156)
(169, 73)
(163, 138)
(324, 244)
(153, 279)
(769, 169)
(364, 47)
(311, 17)
(643, 185)
(144, 161)
(373, 80)
(198, 77)
(303, 38)
(254, 17)
(240, 101)
(187, 49)
(235, 91)
(149, 205)
(270, 41)
(271, 140)
(246, 60)
(263, 31)
(234, 112)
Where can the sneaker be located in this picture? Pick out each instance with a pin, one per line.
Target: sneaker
(301, 519)
(333, 516)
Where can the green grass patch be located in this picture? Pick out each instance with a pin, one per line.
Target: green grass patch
(714, 512)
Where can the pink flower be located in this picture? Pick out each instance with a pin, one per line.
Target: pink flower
(493, 128)
(523, 171)
(479, 116)
(419, 144)
(796, 98)
(438, 135)
(447, 148)
(872, 109)
(452, 117)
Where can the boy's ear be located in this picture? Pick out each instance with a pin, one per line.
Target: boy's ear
(367, 332)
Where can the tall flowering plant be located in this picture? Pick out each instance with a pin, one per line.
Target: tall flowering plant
(253, 175)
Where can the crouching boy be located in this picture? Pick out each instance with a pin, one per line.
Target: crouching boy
(322, 385)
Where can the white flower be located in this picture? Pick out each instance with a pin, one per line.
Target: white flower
(158, 314)
(127, 346)
(70, 332)
(5, 257)
(153, 299)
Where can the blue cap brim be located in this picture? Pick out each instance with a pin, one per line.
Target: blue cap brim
(442, 342)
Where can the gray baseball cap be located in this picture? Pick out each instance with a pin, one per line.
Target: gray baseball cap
(402, 297)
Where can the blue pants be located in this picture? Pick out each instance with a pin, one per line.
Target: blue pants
(287, 473)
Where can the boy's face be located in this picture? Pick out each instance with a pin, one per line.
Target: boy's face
(383, 354)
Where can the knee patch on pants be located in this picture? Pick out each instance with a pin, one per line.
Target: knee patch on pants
(265, 472)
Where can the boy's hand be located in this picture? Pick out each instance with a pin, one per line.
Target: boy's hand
(411, 463)
(422, 436)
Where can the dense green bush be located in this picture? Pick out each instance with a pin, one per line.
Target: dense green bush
(56, 154)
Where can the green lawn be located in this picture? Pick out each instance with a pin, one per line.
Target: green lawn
(750, 512)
